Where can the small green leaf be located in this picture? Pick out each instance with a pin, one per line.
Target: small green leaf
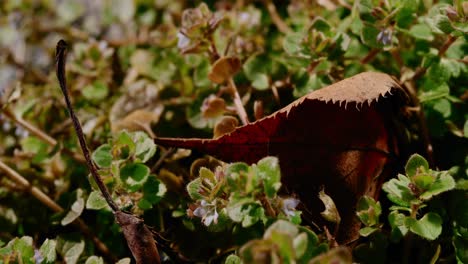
(144, 204)
(368, 211)
(145, 147)
(268, 170)
(369, 35)
(35, 146)
(102, 156)
(398, 191)
(440, 24)
(124, 261)
(300, 244)
(429, 226)
(153, 190)
(461, 248)
(443, 106)
(75, 210)
(245, 211)
(233, 259)
(254, 213)
(367, 231)
(193, 189)
(282, 226)
(421, 31)
(94, 260)
(440, 91)
(23, 248)
(423, 181)
(260, 81)
(48, 251)
(96, 201)
(134, 175)
(462, 184)
(416, 164)
(399, 228)
(284, 244)
(293, 43)
(71, 250)
(322, 25)
(444, 182)
(123, 146)
(96, 91)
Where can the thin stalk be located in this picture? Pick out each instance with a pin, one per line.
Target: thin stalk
(161, 159)
(61, 59)
(238, 103)
(451, 39)
(370, 56)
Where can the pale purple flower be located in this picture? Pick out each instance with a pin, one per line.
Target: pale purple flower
(385, 36)
(182, 41)
(207, 212)
(38, 256)
(289, 206)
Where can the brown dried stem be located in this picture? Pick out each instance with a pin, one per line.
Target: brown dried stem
(60, 59)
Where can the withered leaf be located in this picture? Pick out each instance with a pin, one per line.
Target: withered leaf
(213, 107)
(223, 69)
(225, 126)
(139, 238)
(340, 137)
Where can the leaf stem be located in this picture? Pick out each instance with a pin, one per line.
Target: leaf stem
(161, 159)
(238, 103)
(60, 60)
(451, 39)
(370, 56)
(424, 131)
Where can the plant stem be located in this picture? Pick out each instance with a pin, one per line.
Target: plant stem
(451, 39)
(60, 59)
(47, 201)
(161, 159)
(370, 56)
(422, 70)
(280, 24)
(238, 103)
(424, 131)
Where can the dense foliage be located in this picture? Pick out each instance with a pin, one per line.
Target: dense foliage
(140, 69)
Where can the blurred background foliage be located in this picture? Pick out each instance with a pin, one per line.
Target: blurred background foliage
(149, 66)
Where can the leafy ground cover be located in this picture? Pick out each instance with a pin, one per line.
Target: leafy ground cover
(137, 70)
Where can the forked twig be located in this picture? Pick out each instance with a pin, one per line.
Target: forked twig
(139, 238)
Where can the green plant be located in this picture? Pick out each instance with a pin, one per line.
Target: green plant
(141, 69)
